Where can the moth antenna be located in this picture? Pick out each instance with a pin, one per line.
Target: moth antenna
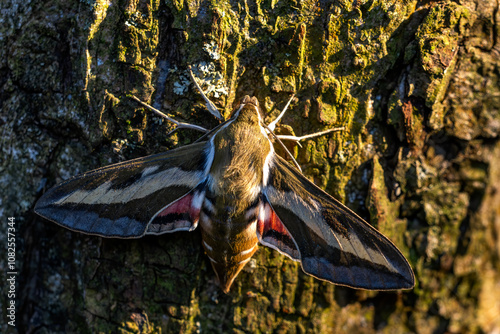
(272, 125)
(180, 125)
(210, 106)
(284, 147)
(312, 135)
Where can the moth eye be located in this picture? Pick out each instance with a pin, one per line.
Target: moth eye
(254, 101)
(332, 221)
(246, 100)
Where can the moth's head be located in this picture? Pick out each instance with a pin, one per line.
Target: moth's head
(250, 100)
(248, 109)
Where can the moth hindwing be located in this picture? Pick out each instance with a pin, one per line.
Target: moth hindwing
(240, 193)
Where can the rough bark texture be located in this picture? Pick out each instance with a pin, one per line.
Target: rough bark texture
(415, 84)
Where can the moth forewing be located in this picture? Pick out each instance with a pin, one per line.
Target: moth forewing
(120, 200)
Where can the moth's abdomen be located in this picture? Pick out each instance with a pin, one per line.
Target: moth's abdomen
(228, 243)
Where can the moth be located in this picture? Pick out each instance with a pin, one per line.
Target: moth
(233, 187)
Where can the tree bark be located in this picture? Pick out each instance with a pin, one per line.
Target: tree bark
(415, 85)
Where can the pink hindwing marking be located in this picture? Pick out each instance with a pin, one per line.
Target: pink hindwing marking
(272, 233)
(180, 206)
(181, 215)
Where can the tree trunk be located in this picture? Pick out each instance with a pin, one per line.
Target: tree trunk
(415, 85)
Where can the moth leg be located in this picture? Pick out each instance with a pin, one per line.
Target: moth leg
(312, 135)
(270, 128)
(298, 139)
(180, 125)
(210, 106)
(272, 125)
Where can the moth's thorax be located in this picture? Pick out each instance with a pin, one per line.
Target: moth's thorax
(240, 152)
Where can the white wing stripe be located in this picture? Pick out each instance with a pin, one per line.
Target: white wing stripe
(137, 190)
